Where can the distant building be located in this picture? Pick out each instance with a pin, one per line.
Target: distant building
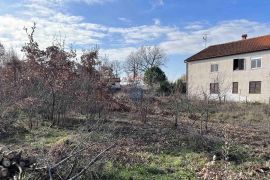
(235, 71)
(116, 83)
(107, 76)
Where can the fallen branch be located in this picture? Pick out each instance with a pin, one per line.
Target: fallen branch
(91, 162)
(49, 168)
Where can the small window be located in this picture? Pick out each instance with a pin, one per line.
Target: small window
(214, 88)
(255, 87)
(235, 88)
(214, 67)
(256, 63)
(238, 64)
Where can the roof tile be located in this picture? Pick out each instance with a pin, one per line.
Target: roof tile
(232, 48)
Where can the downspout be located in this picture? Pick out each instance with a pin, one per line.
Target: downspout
(186, 78)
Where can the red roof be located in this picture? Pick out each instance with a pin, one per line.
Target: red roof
(232, 48)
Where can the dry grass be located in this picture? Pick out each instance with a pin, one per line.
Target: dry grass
(158, 150)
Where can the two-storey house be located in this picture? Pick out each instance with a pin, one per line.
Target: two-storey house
(234, 71)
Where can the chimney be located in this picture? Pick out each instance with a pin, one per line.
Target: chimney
(244, 36)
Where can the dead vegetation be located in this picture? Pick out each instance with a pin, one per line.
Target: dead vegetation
(65, 116)
(241, 151)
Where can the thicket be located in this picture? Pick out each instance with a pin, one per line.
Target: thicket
(49, 84)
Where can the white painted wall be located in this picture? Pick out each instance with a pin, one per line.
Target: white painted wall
(200, 77)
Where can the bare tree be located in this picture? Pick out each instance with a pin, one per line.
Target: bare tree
(143, 59)
(210, 97)
(179, 104)
(132, 65)
(223, 86)
(150, 57)
(116, 67)
(12, 61)
(2, 54)
(2, 49)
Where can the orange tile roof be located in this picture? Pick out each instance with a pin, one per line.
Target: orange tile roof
(232, 48)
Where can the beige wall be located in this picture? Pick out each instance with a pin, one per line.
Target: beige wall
(200, 77)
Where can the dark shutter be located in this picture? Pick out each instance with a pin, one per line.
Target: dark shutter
(235, 88)
(214, 88)
(255, 87)
(235, 64)
(259, 63)
(241, 64)
(258, 87)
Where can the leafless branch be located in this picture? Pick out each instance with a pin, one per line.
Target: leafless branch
(92, 162)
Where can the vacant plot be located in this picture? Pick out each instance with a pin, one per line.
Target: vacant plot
(235, 145)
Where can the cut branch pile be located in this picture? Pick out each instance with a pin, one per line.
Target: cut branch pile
(12, 163)
(49, 171)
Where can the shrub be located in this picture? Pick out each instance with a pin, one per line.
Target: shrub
(154, 76)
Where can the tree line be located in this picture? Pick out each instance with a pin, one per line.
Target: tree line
(50, 83)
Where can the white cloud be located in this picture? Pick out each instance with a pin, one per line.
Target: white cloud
(93, 1)
(125, 20)
(180, 42)
(141, 34)
(197, 25)
(50, 23)
(187, 42)
(120, 41)
(156, 21)
(157, 3)
(117, 53)
(62, 2)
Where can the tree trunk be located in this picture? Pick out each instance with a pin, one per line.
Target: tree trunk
(176, 120)
(201, 128)
(53, 107)
(176, 116)
(206, 120)
(30, 123)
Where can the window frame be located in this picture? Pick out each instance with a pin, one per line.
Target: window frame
(256, 60)
(254, 90)
(244, 64)
(214, 88)
(233, 88)
(215, 68)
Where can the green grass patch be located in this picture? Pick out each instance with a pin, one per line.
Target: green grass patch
(42, 136)
(159, 166)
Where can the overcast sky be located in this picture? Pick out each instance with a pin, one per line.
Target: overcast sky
(121, 26)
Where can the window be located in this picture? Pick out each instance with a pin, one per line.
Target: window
(214, 67)
(256, 63)
(255, 87)
(214, 88)
(235, 88)
(238, 64)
